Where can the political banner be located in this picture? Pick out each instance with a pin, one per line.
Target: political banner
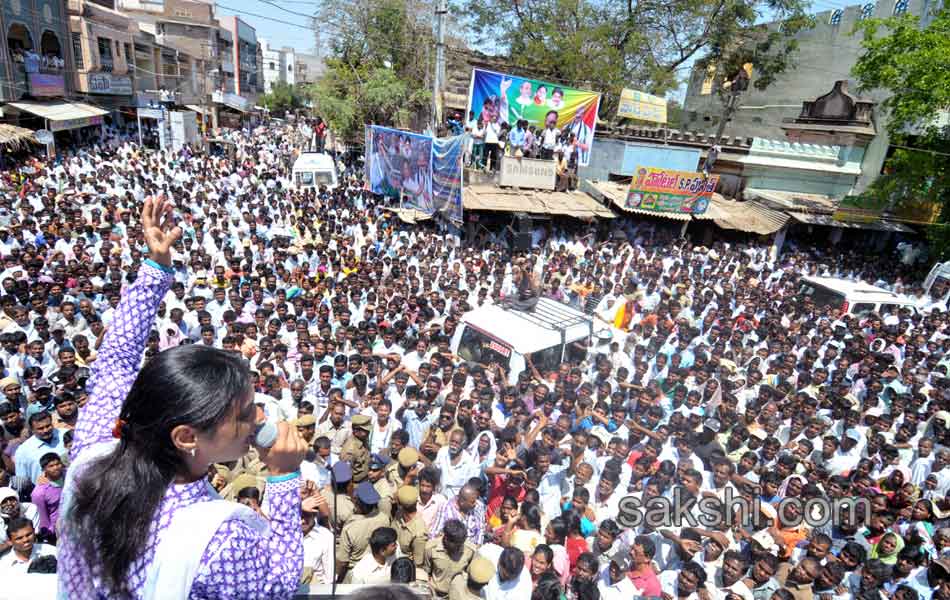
(638, 105)
(665, 190)
(425, 173)
(399, 165)
(502, 98)
(447, 155)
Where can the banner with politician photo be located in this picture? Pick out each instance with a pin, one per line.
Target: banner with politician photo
(399, 165)
(501, 98)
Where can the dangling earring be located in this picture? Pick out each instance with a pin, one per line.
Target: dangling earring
(193, 450)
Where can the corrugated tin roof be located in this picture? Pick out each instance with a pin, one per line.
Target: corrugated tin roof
(616, 193)
(59, 111)
(793, 201)
(827, 221)
(748, 216)
(574, 204)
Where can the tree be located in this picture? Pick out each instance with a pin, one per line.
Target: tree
(912, 64)
(606, 45)
(378, 66)
(282, 97)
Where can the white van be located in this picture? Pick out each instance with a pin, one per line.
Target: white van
(852, 297)
(939, 280)
(313, 169)
(493, 334)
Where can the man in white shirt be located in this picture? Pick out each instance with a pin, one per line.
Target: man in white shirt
(374, 567)
(614, 583)
(318, 553)
(25, 550)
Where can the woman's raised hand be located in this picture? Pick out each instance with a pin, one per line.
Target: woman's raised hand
(159, 229)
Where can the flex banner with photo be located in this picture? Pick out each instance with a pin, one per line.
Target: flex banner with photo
(423, 172)
(447, 156)
(664, 190)
(507, 99)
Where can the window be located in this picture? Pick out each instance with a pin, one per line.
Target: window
(105, 53)
(836, 17)
(77, 51)
(708, 79)
(271, 66)
(900, 7)
(867, 11)
(862, 309)
(128, 51)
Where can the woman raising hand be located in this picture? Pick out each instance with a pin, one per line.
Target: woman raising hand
(140, 518)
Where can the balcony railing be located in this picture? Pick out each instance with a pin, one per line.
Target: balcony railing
(106, 63)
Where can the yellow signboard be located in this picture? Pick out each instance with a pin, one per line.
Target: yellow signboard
(638, 105)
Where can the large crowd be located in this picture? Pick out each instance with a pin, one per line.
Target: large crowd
(712, 379)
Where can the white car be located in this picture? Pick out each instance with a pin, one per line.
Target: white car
(852, 297)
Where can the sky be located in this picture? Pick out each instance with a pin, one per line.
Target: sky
(294, 31)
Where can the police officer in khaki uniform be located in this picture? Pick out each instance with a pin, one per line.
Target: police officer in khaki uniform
(356, 449)
(338, 507)
(446, 556)
(378, 477)
(468, 586)
(404, 469)
(354, 539)
(411, 532)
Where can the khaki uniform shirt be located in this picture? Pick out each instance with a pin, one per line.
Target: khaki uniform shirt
(344, 506)
(357, 454)
(441, 567)
(354, 539)
(387, 494)
(458, 589)
(412, 537)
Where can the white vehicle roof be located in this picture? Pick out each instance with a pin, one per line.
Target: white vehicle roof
(856, 291)
(314, 161)
(528, 332)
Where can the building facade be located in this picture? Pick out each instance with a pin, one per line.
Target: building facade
(279, 65)
(827, 53)
(102, 40)
(36, 58)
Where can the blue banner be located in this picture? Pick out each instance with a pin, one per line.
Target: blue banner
(447, 154)
(399, 165)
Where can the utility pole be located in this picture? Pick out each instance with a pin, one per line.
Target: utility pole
(441, 10)
(737, 85)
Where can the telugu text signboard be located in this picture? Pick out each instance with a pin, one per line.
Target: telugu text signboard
(665, 190)
(635, 104)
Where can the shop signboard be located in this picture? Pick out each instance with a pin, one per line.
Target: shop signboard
(665, 190)
(529, 173)
(106, 83)
(46, 85)
(635, 104)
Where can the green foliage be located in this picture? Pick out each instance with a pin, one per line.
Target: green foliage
(377, 71)
(912, 64)
(606, 45)
(281, 98)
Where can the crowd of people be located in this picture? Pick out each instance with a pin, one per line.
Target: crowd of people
(711, 379)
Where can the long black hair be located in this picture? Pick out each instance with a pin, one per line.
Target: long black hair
(117, 496)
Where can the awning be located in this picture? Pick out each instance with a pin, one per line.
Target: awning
(616, 194)
(198, 109)
(828, 221)
(411, 215)
(573, 204)
(793, 201)
(748, 216)
(63, 115)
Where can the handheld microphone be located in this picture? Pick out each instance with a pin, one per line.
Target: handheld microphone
(266, 434)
